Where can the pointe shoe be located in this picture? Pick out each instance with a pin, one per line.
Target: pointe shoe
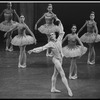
(7, 49)
(88, 62)
(72, 77)
(91, 63)
(75, 76)
(10, 50)
(22, 66)
(19, 65)
(55, 90)
(48, 55)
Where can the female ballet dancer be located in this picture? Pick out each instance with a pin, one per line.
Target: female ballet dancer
(22, 40)
(73, 51)
(8, 24)
(57, 56)
(49, 26)
(90, 37)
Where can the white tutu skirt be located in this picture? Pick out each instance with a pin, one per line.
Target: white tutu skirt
(6, 26)
(47, 29)
(22, 40)
(90, 38)
(77, 51)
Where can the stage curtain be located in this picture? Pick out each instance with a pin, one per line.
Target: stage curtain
(27, 9)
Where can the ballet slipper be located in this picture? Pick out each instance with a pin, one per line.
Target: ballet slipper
(73, 77)
(91, 63)
(7, 49)
(70, 92)
(11, 49)
(70, 76)
(88, 62)
(22, 66)
(19, 65)
(55, 90)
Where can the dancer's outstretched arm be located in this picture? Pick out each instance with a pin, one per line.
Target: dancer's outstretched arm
(82, 28)
(39, 21)
(40, 49)
(10, 31)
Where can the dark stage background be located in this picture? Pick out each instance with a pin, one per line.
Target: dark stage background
(68, 13)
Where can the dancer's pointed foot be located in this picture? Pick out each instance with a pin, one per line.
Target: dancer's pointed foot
(55, 90)
(11, 49)
(7, 49)
(91, 63)
(88, 62)
(73, 77)
(22, 66)
(49, 55)
(70, 92)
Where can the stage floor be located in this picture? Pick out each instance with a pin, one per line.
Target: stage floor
(34, 81)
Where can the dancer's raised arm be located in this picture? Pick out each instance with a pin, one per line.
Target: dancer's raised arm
(82, 28)
(39, 21)
(2, 13)
(16, 15)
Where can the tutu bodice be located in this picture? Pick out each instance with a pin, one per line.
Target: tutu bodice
(71, 43)
(8, 14)
(49, 18)
(90, 27)
(21, 30)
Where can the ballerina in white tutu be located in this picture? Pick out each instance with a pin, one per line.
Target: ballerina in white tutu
(49, 26)
(57, 56)
(22, 40)
(90, 37)
(73, 51)
(8, 24)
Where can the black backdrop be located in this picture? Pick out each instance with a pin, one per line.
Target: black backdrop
(68, 13)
